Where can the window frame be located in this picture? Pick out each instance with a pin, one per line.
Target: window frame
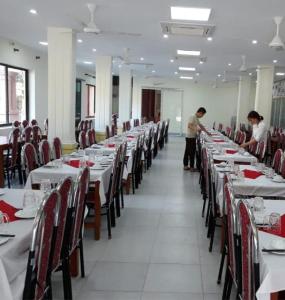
(7, 66)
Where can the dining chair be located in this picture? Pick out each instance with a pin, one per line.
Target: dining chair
(128, 125)
(268, 149)
(45, 152)
(91, 137)
(237, 136)
(155, 141)
(29, 159)
(13, 157)
(86, 125)
(26, 134)
(108, 132)
(57, 148)
(122, 167)
(25, 123)
(113, 130)
(124, 127)
(34, 122)
(161, 137)
(36, 136)
(261, 151)
(82, 139)
(277, 160)
(250, 260)
(46, 126)
(148, 150)
(90, 124)
(166, 131)
(16, 124)
(204, 180)
(81, 125)
(36, 280)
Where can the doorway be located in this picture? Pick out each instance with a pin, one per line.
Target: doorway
(151, 105)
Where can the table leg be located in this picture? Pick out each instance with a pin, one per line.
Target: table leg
(2, 181)
(74, 263)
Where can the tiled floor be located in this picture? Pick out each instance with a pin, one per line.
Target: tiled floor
(159, 248)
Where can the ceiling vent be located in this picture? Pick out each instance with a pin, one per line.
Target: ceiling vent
(189, 29)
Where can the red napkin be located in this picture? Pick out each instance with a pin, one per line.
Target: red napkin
(273, 231)
(130, 136)
(9, 210)
(111, 145)
(76, 163)
(231, 151)
(251, 174)
(218, 141)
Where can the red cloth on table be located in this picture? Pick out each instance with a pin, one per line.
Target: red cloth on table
(231, 151)
(218, 141)
(130, 136)
(9, 210)
(111, 145)
(251, 174)
(76, 163)
(273, 231)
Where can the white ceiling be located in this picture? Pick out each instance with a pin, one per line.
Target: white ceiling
(237, 24)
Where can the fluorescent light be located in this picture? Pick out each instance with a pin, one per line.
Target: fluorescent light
(280, 74)
(88, 62)
(209, 39)
(219, 75)
(187, 69)
(188, 52)
(186, 77)
(275, 61)
(142, 59)
(201, 62)
(94, 50)
(165, 36)
(33, 11)
(153, 71)
(43, 43)
(172, 60)
(190, 13)
(254, 42)
(79, 41)
(229, 64)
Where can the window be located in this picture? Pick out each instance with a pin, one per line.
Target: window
(13, 94)
(90, 100)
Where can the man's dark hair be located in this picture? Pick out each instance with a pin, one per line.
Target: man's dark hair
(201, 110)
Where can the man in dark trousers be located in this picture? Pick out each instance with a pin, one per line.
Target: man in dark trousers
(193, 126)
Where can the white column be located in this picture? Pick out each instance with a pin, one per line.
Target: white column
(125, 96)
(243, 104)
(61, 85)
(136, 99)
(103, 107)
(263, 98)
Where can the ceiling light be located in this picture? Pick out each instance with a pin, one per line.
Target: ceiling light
(250, 74)
(172, 60)
(94, 50)
(275, 61)
(229, 64)
(187, 69)
(43, 43)
(186, 77)
(209, 39)
(120, 66)
(280, 74)
(197, 74)
(219, 75)
(189, 53)
(33, 11)
(165, 36)
(201, 62)
(88, 62)
(79, 41)
(175, 73)
(153, 71)
(190, 13)
(142, 59)
(254, 42)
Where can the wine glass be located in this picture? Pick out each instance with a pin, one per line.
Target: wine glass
(275, 222)
(258, 204)
(29, 200)
(45, 185)
(4, 221)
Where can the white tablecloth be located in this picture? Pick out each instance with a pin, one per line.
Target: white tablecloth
(56, 174)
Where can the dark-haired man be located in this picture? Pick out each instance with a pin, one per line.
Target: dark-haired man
(193, 126)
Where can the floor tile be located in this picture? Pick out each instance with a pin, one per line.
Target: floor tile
(171, 296)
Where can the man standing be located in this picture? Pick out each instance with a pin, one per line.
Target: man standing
(192, 128)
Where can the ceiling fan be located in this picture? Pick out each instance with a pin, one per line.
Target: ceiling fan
(125, 59)
(91, 26)
(277, 42)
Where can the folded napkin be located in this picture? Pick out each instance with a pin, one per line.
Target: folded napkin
(251, 174)
(130, 136)
(111, 145)
(9, 210)
(76, 163)
(273, 231)
(218, 141)
(231, 151)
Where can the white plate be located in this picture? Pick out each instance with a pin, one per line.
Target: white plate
(26, 214)
(2, 193)
(277, 180)
(4, 240)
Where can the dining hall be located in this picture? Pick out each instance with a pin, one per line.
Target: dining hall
(142, 150)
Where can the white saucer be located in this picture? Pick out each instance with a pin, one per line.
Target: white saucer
(4, 240)
(26, 214)
(278, 180)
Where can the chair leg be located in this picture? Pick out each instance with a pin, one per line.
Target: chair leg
(109, 223)
(82, 267)
(67, 288)
(222, 264)
(117, 201)
(122, 197)
(208, 213)
(20, 175)
(226, 284)
(8, 179)
(212, 234)
(204, 205)
(112, 214)
(133, 182)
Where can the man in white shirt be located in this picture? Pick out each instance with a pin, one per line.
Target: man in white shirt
(259, 130)
(193, 126)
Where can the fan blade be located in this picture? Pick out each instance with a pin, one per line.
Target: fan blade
(138, 63)
(130, 34)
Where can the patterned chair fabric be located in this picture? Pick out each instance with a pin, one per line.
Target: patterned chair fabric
(57, 149)
(45, 152)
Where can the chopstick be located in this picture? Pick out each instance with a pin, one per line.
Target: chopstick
(6, 235)
(273, 250)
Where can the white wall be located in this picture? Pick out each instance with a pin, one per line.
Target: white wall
(220, 103)
(26, 58)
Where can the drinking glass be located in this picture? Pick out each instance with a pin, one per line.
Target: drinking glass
(45, 185)
(258, 204)
(82, 162)
(236, 169)
(29, 200)
(91, 156)
(4, 221)
(275, 222)
(240, 175)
